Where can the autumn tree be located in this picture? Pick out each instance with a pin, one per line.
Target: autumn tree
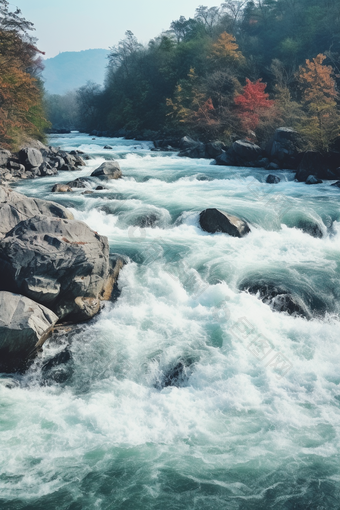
(253, 105)
(319, 98)
(225, 51)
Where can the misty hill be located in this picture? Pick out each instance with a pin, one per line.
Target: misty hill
(72, 69)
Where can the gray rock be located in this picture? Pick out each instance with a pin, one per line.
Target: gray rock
(57, 262)
(214, 220)
(30, 158)
(187, 143)
(273, 179)
(247, 150)
(311, 179)
(78, 183)
(24, 327)
(107, 147)
(312, 163)
(4, 157)
(15, 208)
(311, 228)
(337, 184)
(108, 170)
(214, 149)
(61, 188)
(273, 166)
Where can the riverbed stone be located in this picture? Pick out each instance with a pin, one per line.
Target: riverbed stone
(214, 220)
(15, 207)
(273, 179)
(108, 170)
(30, 157)
(56, 262)
(24, 327)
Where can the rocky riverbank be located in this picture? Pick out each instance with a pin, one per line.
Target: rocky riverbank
(53, 269)
(37, 160)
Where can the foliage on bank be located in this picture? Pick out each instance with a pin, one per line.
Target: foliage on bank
(241, 69)
(21, 95)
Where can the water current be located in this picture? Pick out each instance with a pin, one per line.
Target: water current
(186, 392)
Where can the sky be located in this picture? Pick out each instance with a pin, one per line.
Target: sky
(74, 25)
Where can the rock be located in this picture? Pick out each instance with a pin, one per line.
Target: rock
(61, 188)
(214, 220)
(15, 208)
(310, 228)
(187, 143)
(108, 170)
(24, 327)
(4, 157)
(58, 369)
(176, 375)
(214, 149)
(226, 159)
(196, 151)
(273, 179)
(247, 151)
(88, 192)
(273, 166)
(337, 184)
(108, 147)
(311, 179)
(312, 163)
(78, 183)
(263, 162)
(100, 188)
(30, 158)
(59, 262)
(278, 298)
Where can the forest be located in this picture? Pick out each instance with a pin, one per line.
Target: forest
(22, 114)
(237, 70)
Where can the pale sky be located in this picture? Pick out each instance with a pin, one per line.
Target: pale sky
(74, 25)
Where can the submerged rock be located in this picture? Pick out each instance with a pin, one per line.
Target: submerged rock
(277, 297)
(214, 220)
(15, 207)
(176, 375)
(311, 179)
(311, 228)
(273, 179)
(24, 327)
(108, 170)
(57, 262)
(61, 188)
(58, 369)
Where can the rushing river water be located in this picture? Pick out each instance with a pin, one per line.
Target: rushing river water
(187, 393)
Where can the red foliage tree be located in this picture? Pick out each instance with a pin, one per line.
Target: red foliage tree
(254, 104)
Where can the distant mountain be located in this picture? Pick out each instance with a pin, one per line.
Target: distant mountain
(72, 69)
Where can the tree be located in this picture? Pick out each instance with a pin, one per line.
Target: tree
(253, 104)
(225, 50)
(319, 97)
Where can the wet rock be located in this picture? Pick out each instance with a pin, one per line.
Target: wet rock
(58, 369)
(57, 262)
(100, 188)
(226, 159)
(214, 220)
(310, 228)
(273, 179)
(78, 183)
(30, 158)
(24, 327)
(47, 169)
(187, 143)
(312, 163)
(108, 147)
(176, 375)
(311, 179)
(214, 149)
(108, 170)
(273, 166)
(146, 221)
(337, 184)
(247, 150)
(278, 298)
(15, 207)
(61, 188)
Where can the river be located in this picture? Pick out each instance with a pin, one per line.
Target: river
(187, 393)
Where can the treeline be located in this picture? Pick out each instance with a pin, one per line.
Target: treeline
(21, 92)
(240, 69)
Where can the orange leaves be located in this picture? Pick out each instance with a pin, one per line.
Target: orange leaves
(253, 104)
(225, 50)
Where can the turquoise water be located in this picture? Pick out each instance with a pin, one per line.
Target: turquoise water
(254, 422)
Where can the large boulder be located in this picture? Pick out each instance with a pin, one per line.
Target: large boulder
(312, 163)
(30, 158)
(214, 220)
(108, 170)
(59, 263)
(247, 151)
(4, 157)
(15, 208)
(24, 327)
(279, 298)
(187, 143)
(285, 146)
(198, 151)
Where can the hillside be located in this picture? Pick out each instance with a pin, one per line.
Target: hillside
(72, 69)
